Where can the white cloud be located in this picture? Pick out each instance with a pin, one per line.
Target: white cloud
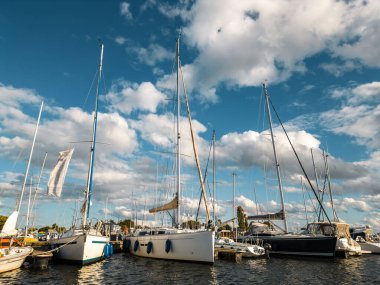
(248, 42)
(152, 55)
(359, 116)
(159, 130)
(125, 11)
(120, 40)
(127, 97)
(361, 206)
(339, 69)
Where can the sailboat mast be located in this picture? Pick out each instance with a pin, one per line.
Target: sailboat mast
(178, 217)
(92, 150)
(275, 157)
(30, 158)
(233, 203)
(213, 177)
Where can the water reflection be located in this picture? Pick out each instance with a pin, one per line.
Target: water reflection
(121, 269)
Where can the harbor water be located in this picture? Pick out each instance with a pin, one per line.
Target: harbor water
(122, 269)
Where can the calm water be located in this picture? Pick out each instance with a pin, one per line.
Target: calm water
(121, 269)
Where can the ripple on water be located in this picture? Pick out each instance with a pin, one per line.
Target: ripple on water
(121, 269)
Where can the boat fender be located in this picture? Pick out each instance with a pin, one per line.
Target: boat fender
(106, 251)
(149, 248)
(126, 245)
(136, 246)
(111, 249)
(168, 245)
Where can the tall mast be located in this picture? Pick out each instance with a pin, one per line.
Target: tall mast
(213, 177)
(178, 217)
(233, 202)
(30, 158)
(86, 213)
(275, 157)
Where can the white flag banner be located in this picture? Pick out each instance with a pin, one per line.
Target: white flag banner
(57, 175)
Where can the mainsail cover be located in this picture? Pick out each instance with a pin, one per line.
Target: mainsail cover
(57, 176)
(173, 204)
(276, 216)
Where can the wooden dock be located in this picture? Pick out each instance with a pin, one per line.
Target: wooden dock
(228, 254)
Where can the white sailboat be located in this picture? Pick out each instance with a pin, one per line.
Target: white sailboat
(85, 243)
(176, 243)
(12, 257)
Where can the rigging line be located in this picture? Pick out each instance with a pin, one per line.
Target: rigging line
(299, 161)
(89, 90)
(205, 179)
(194, 147)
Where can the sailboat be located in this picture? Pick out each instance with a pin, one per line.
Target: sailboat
(279, 240)
(175, 243)
(85, 243)
(346, 246)
(11, 256)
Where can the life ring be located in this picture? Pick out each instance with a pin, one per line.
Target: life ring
(136, 246)
(149, 247)
(168, 245)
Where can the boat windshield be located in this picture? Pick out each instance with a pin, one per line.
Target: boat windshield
(321, 229)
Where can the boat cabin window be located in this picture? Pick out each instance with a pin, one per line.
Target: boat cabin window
(143, 233)
(161, 232)
(316, 229)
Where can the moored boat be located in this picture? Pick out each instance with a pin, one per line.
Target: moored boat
(249, 250)
(81, 244)
(13, 257)
(174, 244)
(368, 241)
(345, 245)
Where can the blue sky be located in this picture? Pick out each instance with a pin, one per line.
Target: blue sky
(320, 61)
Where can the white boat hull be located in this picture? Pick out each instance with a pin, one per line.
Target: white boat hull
(81, 249)
(197, 246)
(348, 247)
(248, 250)
(13, 258)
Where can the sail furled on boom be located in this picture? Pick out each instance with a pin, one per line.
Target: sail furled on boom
(173, 204)
(275, 216)
(57, 175)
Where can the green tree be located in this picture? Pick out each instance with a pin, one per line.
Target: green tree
(191, 224)
(242, 219)
(3, 219)
(127, 224)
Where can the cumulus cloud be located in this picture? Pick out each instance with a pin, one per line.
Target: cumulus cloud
(151, 55)
(248, 42)
(359, 115)
(120, 40)
(126, 97)
(125, 11)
